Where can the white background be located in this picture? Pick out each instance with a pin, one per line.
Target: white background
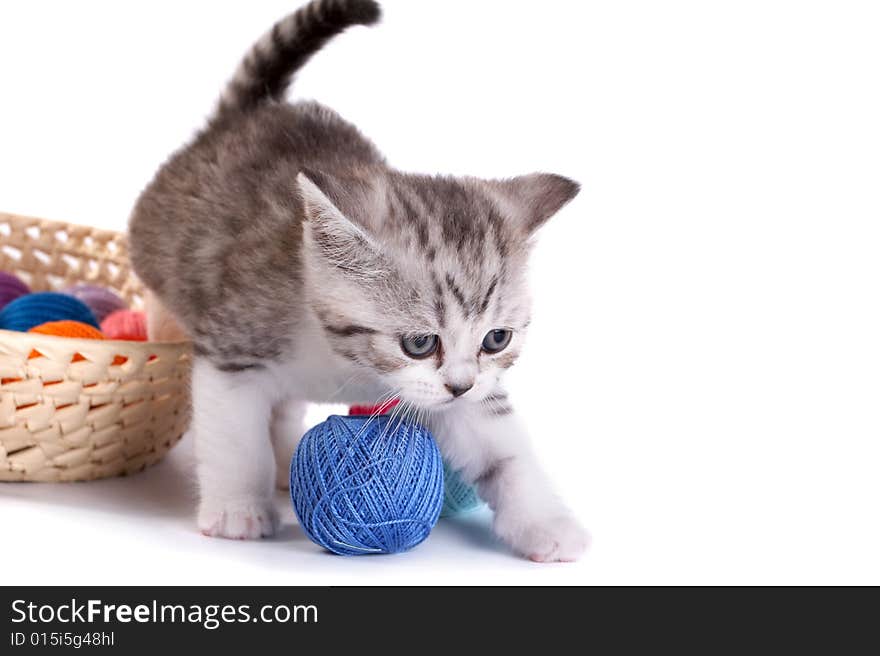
(704, 371)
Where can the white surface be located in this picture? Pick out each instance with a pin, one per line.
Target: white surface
(704, 371)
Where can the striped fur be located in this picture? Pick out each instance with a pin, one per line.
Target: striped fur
(267, 70)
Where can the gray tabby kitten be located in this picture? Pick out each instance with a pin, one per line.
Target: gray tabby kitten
(306, 269)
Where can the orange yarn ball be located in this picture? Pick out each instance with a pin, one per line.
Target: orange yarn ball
(66, 329)
(126, 324)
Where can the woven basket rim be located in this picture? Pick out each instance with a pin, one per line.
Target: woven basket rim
(73, 341)
(63, 224)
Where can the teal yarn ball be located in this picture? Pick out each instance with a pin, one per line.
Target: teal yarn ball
(458, 496)
(26, 312)
(363, 485)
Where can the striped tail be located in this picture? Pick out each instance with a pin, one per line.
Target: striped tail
(267, 70)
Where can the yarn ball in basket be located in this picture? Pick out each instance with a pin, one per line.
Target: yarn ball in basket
(126, 324)
(363, 485)
(25, 312)
(67, 329)
(11, 287)
(101, 301)
(458, 496)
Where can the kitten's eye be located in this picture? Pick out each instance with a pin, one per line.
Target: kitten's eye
(497, 340)
(419, 346)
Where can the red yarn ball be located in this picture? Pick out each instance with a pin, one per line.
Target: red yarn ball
(373, 409)
(126, 324)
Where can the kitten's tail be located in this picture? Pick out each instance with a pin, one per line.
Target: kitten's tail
(266, 71)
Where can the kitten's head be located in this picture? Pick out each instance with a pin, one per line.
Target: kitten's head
(423, 279)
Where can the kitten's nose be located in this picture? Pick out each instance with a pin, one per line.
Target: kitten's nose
(458, 390)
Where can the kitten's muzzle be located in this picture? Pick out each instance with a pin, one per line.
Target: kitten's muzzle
(458, 390)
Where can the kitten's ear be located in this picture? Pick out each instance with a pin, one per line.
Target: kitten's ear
(532, 199)
(316, 190)
(331, 235)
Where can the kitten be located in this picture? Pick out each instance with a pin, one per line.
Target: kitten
(306, 268)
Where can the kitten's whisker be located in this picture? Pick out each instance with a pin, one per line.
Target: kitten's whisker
(491, 404)
(380, 401)
(396, 413)
(346, 384)
(404, 408)
(495, 406)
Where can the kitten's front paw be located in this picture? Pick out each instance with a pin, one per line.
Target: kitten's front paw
(553, 539)
(243, 520)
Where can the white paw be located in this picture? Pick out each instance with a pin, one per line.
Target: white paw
(545, 540)
(241, 520)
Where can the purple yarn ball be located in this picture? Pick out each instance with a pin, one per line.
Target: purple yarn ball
(11, 287)
(101, 301)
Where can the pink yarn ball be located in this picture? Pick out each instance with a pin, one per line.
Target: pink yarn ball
(11, 287)
(101, 301)
(126, 324)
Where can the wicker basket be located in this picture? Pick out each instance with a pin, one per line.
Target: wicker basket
(99, 416)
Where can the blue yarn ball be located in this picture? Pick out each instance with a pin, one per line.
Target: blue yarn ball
(362, 485)
(29, 311)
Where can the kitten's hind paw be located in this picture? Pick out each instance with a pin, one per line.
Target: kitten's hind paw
(242, 520)
(554, 539)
